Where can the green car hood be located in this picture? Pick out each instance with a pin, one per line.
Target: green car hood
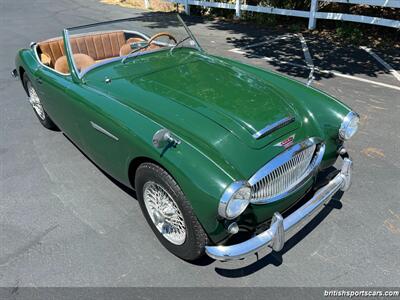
(211, 103)
(238, 101)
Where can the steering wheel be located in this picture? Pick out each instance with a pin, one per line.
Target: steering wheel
(126, 49)
(158, 35)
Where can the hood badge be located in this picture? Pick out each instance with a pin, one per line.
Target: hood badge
(273, 127)
(287, 142)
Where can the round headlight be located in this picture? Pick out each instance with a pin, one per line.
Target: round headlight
(349, 126)
(235, 200)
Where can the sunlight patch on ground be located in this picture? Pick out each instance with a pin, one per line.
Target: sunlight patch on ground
(154, 5)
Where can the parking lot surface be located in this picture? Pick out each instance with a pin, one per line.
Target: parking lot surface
(65, 223)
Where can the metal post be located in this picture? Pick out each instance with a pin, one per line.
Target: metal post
(187, 7)
(237, 9)
(146, 4)
(312, 21)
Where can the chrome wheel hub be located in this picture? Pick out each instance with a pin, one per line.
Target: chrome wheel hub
(164, 213)
(35, 101)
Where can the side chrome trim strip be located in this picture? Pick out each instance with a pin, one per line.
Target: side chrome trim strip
(102, 130)
(273, 127)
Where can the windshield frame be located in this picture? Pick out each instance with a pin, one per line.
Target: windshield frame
(78, 76)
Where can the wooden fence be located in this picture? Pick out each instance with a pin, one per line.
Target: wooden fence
(313, 14)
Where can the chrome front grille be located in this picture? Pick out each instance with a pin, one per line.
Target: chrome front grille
(285, 172)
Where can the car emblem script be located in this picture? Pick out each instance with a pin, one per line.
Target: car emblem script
(286, 143)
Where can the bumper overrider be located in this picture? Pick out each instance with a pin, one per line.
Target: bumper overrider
(274, 237)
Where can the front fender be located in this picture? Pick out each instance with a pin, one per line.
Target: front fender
(199, 177)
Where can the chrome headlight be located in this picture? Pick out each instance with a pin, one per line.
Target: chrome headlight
(349, 126)
(235, 200)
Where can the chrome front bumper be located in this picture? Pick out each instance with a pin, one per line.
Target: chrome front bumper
(275, 235)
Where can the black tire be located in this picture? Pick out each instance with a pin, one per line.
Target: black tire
(44, 119)
(196, 239)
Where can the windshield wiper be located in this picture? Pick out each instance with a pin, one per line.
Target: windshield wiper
(189, 33)
(178, 43)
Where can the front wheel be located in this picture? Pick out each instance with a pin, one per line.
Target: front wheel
(37, 106)
(168, 212)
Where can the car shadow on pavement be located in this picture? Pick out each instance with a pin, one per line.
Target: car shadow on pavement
(130, 191)
(276, 258)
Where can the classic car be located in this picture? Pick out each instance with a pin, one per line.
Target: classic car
(225, 158)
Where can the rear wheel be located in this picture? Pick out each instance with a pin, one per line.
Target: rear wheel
(37, 106)
(168, 212)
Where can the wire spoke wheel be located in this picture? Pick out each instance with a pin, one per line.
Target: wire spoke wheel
(164, 213)
(35, 101)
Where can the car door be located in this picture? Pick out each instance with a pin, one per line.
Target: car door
(86, 117)
(104, 137)
(55, 91)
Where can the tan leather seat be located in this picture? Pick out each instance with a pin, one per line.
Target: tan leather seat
(99, 46)
(125, 50)
(82, 61)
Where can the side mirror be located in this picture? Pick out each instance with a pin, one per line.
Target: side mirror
(163, 138)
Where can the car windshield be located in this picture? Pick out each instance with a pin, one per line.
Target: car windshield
(123, 40)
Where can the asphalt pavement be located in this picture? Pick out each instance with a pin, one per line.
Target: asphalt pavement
(65, 223)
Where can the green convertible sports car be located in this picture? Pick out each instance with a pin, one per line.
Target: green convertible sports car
(225, 158)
